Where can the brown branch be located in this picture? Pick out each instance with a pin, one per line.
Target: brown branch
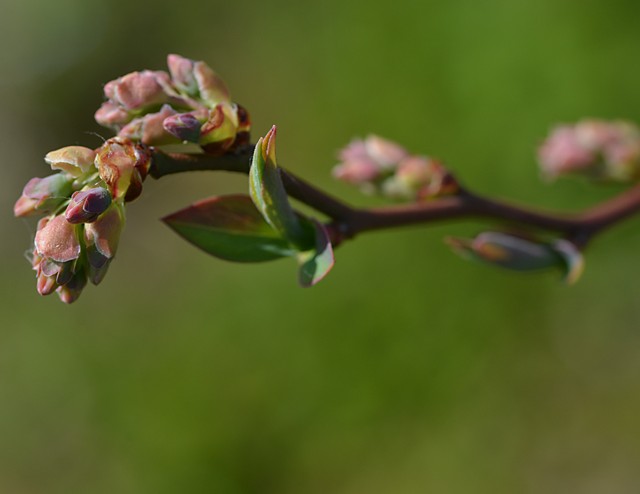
(350, 221)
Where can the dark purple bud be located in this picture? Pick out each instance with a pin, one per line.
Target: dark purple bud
(87, 205)
(184, 126)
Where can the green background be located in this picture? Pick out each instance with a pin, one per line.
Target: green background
(406, 370)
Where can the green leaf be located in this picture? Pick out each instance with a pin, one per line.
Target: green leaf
(269, 195)
(317, 262)
(231, 228)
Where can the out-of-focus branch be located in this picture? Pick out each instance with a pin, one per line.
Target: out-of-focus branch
(349, 221)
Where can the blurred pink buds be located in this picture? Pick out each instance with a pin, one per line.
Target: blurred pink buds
(43, 195)
(74, 160)
(87, 205)
(521, 254)
(123, 165)
(379, 165)
(101, 240)
(594, 148)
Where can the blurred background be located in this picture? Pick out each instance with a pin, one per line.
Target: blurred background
(407, 370)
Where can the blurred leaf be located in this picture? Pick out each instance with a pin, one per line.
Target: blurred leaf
(269, 195)
(231, 228)
(316, 263)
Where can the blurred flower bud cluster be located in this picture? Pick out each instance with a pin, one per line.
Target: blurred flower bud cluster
(520, 253)
(188, 104)
(608, 151)
(83, 212)
(378, 165)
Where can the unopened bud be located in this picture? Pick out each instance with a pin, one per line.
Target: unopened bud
(184, 126)
(101, 240)
(139, 90)
(70, 292)
(112, 115)
(520, 254)
(596, 149)
(74, 160)
(212, 88)
(182, 75)
(123, 165)
(57, 239)
(218, 133)
(43, 195)
(87, 205)
(149, 129)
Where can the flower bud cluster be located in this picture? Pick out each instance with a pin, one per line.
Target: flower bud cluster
(83, 209)
(597, 149)
(377, 165)
(188, 104)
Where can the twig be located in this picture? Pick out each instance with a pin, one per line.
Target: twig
(350, 221)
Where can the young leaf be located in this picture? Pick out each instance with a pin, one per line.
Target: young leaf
(317, 262)
(269, 195)
(231, 228)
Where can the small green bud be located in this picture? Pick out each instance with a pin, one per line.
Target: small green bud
(520, 254)
(219, 131)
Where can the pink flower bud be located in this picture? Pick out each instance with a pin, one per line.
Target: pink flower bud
(597, 149)
(74, 160)
(385, 152)
(112, 115)
(182, 75)
(87, 205)
(149, 129)
(57, 239)
(123, 165)
(368, 161)
(139, 90)
(43, 195)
